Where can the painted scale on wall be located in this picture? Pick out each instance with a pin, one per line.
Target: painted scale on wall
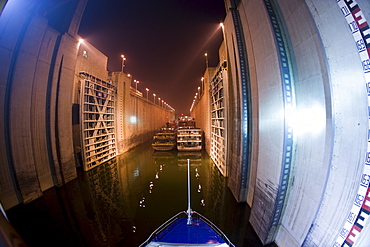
(360, 211)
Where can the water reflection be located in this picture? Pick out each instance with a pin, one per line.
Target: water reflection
(121, 202)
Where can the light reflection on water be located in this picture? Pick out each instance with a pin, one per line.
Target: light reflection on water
(121, 202)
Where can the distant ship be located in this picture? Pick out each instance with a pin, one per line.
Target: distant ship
(189, 139)
(164, 141)
(169, 127)
(186, 123)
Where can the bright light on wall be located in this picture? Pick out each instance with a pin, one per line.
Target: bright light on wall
(310, 120)
(133, 119)
(136, 173)
(80, 41)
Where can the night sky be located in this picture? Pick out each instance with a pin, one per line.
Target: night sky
(164, 42)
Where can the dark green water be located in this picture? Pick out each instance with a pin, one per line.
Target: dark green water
(122, 202)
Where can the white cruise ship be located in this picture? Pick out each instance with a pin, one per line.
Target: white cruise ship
(189, 139)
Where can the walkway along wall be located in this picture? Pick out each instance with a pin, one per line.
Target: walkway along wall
(201, 109)
(138, 118)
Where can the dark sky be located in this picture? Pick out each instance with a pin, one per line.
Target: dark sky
(164, 42)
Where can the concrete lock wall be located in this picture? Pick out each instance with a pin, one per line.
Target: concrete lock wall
(137, 118)
(294, 53)
(346, 126)
(307, 75)
(39, 65)
(201, 109)
(36, 80)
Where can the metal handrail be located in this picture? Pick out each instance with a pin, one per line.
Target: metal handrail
(160, 229)
(216, 229)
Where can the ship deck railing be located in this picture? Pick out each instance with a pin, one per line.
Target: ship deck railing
(169, 224)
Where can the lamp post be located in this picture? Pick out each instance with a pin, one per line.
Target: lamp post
(202, 80)
(123, 62)
(147, 93)
(199, 90)
(162, 102)
(206, 55)
(159, 101)
(80, 41)
(224, 37)
(154, 97)
(136, 82)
